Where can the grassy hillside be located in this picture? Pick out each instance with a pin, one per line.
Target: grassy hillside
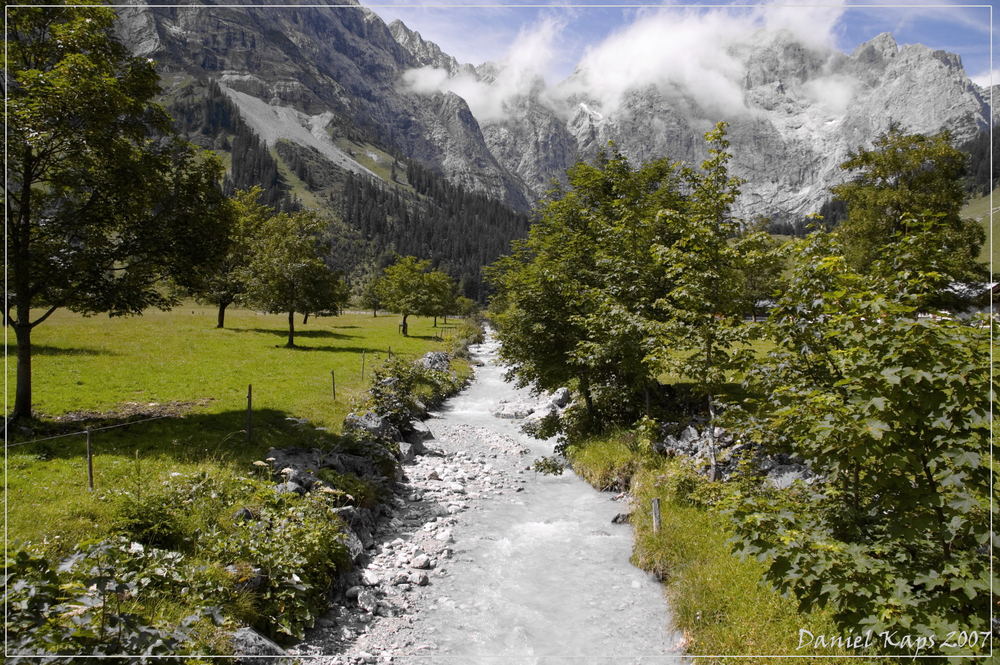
(979, 209)
(94, 371)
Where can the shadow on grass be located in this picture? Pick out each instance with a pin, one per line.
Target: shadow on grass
(432, 338)
(192, 438)
(311, 334)
(46, 350)
(338, 349)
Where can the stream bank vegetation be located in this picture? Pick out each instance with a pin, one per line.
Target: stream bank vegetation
(185, 539)
(870, 375)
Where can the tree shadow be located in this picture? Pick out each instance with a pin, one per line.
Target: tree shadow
(47, 350)
(311, 334)
(189, 438)
(338, 349)
(431, 338)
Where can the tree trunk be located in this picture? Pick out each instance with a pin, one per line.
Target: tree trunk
(291, 329)
(222, 315)
(714, 470)
(374, 312)
(305, 318)
(435, 321)
(403, 326)
(22, 395)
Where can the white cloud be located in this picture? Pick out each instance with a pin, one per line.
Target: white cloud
(985, 79)
(672, 48)
(833, 93)
(524, 67)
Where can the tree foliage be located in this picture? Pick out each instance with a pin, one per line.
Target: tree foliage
(410, 286)
(892, 409)
(226, 283)
(286, 271)
(103, 201)
(903, 177)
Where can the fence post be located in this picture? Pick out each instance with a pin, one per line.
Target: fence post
(390, 353)
(333, 381)
(363, 365)
(249, 414)
(656, 515)
(90, 463)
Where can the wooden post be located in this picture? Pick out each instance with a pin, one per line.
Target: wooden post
(390, 353)
(363, 365)
(249, 414)
(656, 515)
(333, 380)
(90, 464)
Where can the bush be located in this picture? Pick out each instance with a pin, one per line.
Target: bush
(298, 543)
(147, 519)
(353, 490)
(89, 604)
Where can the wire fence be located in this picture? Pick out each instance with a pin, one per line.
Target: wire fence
(368, 362)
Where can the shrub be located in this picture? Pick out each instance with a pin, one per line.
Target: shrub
(89, 603)
(298, 543)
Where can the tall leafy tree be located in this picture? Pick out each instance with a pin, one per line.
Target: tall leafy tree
(407, 288)
(442, 290)
(572, 300)
(286, 271)
(902, 178)
(893, 409)
(226, 283)
(702, 335)
(103, 202)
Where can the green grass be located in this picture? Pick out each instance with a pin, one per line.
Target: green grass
(979, 209)
(102, 369)
(719, 601)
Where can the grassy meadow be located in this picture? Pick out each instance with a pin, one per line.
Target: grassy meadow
(979, 209)
(98, 371)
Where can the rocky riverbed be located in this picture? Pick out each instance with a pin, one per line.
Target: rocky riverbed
(484, 561)
(416, 548)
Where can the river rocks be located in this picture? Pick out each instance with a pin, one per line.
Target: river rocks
(514, 410)
(289, 488)
(439, 361)
(368, 600)
(412, 549)
(560, 398)
(622, 518)
(371, 424)
(252, 648)
(421, 561)
(419, 432)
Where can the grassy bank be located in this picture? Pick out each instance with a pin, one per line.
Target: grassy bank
(97, 371)
(718, 600)
(184, 516)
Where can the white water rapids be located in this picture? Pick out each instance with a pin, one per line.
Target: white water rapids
(542, 576)
(525, 569)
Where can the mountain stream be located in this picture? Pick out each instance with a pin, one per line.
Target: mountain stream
(489, 562)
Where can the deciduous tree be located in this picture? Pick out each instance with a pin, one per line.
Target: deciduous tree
(103, 202)
(286, 271)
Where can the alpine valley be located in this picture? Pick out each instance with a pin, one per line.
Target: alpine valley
(319, 106)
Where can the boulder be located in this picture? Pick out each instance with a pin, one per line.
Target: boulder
(419, 431)
(514, 410)
(244, 514)
(782, 476)
(373, 425)
(252, 648)
(688, 435)
(354, 545)
(560, 398)
(622, 518)
(438, 361)
(368, 600)
(289, 487)
(420, 562)
(407, 452)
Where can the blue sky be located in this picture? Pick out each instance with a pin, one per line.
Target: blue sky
(486, 30)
